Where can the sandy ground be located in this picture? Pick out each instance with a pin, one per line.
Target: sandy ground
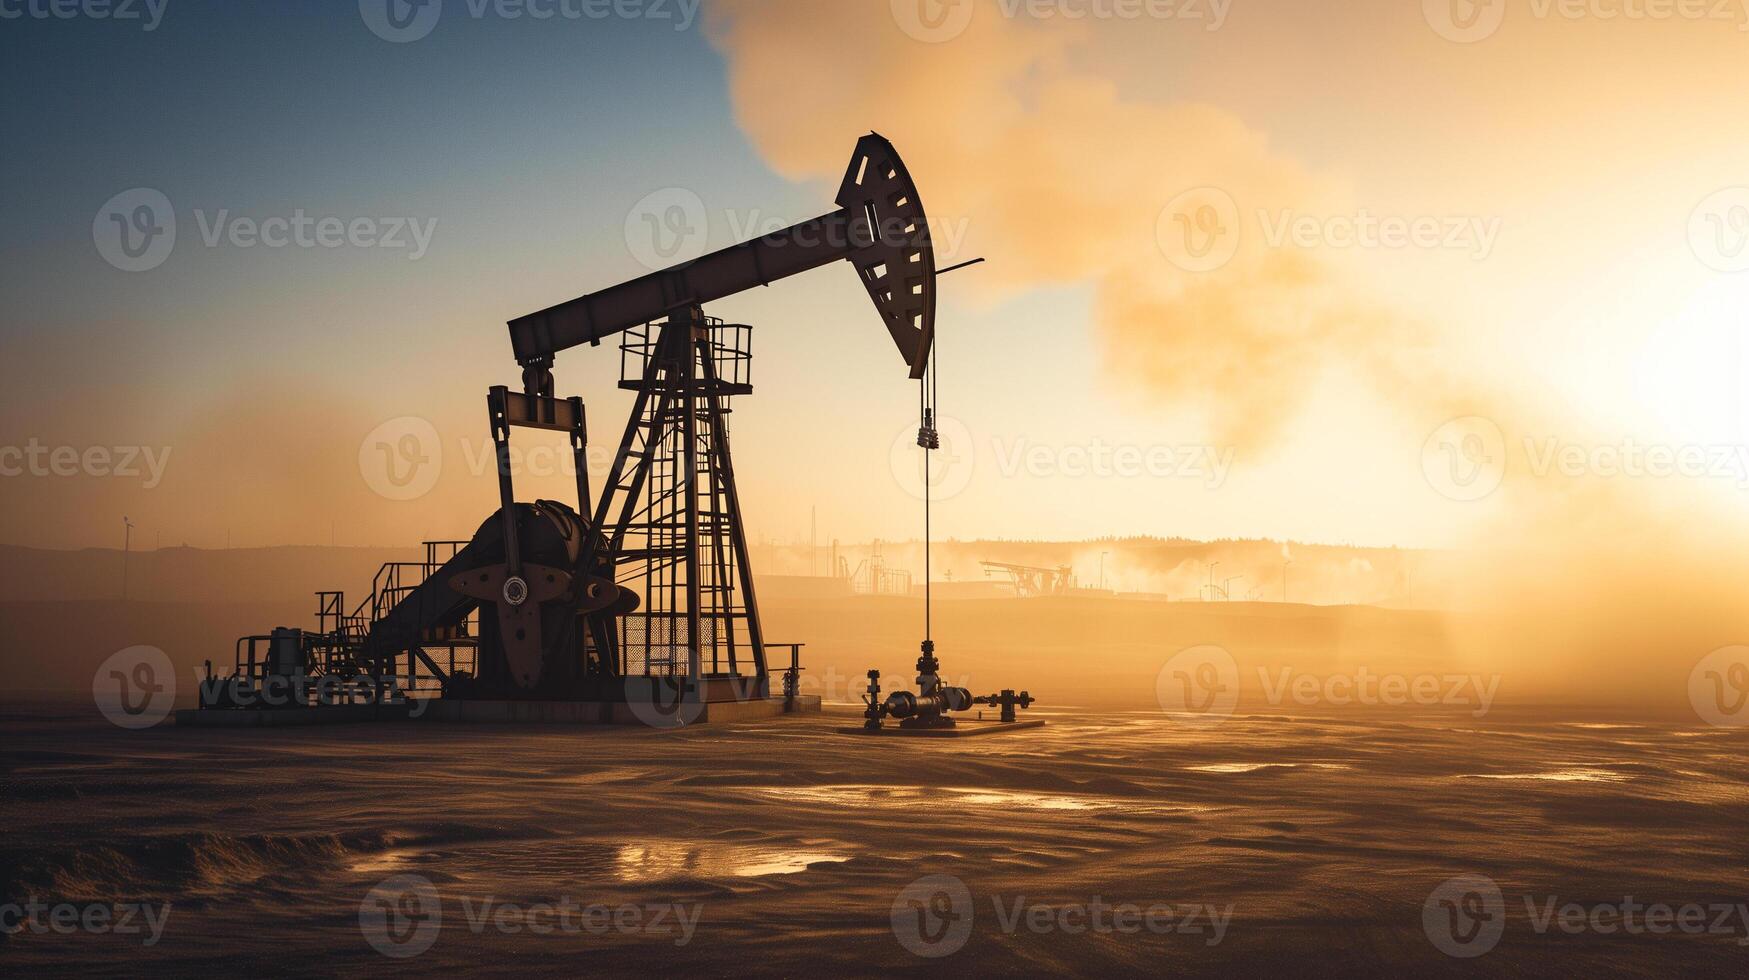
(1128, 844)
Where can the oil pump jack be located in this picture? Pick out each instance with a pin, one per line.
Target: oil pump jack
(670, 513)
(643, 592)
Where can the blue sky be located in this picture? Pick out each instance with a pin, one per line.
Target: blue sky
(525, 146)
(260, 107)
(525, 141)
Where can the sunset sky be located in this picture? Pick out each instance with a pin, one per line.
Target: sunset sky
(1576, 178)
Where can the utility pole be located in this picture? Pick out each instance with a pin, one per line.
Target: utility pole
(1227, 586)
(1102, 555)
(127, 540)
(1211, 585)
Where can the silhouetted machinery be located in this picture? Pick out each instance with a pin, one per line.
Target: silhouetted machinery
(646, 585)
(928, 708)
(1033, 580)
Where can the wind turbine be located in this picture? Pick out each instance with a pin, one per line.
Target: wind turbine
(127, 540)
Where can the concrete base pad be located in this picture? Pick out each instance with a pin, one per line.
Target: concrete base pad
(331, 714)
(510, 712)
(615, 712)
(961, 729)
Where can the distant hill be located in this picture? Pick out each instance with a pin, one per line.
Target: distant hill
(1180, 570)
(193, 574)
